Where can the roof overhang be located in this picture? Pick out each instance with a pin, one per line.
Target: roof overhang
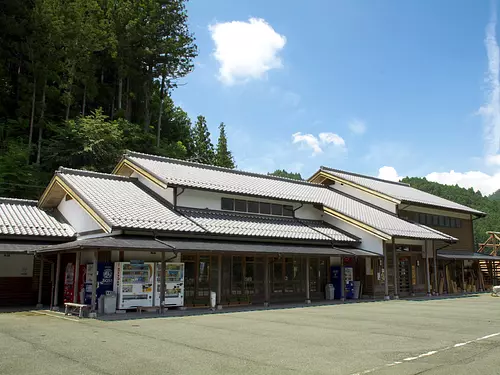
(465, 255)
(126, 167)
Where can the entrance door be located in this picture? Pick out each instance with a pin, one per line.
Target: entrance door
(404, 275)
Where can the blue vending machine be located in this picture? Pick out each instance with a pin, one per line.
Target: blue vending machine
(105, 273)
(348, 283)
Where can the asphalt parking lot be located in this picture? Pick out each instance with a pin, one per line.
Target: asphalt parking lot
(441, 336)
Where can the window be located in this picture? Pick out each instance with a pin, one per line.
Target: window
(446, 221)
(422, 218)
(253, 207)
(240, 205)
(265, 208)
(458, 223)
(429, 220)
(441, 221)
(277, 209)
(287, 210)
(452, 222)
(227, 204)
(435, 220)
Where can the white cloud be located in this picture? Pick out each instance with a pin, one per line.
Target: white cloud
(490, 111)
(317, 144)
(357, 127)
(246, 50)
(388, 173)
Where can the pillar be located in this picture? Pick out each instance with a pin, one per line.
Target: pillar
(40, 283)
(342, 279)
(463, 277)
(94, 282)
(491, 272)
(56, 286)
(266, 281)
(163, 269)
(77, 277)
(395, 269)
(434, 253)
(219, 282)
(308, 292)
(386, 279)
(427, 271)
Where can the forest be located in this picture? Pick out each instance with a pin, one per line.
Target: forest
(81, 81)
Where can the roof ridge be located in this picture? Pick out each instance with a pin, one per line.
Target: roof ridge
(7, 200)
(366, 176)
(83, 172)
(217, 168)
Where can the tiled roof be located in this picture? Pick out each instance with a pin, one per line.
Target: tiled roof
(252, 225)
(123, 203)
(400, 191)
(20, 217)
(194, 175)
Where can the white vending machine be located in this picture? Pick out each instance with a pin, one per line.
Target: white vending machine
(134, 284)
(174, 288)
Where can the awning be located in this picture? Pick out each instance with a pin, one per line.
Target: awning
(465, 255)
(170, 245)
(20, 247)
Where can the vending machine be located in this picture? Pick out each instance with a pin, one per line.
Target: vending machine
(348, 283)
(69, 282)
(174, 288)
(104, 279)
(134, 284)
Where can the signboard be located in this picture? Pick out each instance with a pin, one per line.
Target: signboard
(16, 265)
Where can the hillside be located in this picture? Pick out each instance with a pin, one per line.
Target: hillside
(468, 197)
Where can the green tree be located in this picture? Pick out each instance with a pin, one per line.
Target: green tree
(203, 148)
(223, 157)
(283, 173)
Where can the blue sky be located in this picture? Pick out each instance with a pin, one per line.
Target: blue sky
(407, 86)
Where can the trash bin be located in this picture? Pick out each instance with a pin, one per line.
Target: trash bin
(329, 292)
(109, 305)
(213, 299)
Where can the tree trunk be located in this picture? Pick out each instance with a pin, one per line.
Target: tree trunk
(147, 113)
(158, 130)
(40, 124)
(112, 116)
(84, 99)
(128, 111)
(120, 89)
(32, 117)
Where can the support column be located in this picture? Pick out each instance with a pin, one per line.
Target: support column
(56, 286)
(163, 269)
(386, 278)
(427, 271)
(94, 282)
(77, 277)
(219, 282)
(491, 272)
(342, 279)
(434, 254)
(266, 281)
(463, 277)
(40, 283)
(308, 292)
(395, 270)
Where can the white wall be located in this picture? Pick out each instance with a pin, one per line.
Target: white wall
(368, 241)
(16, 265)
(167, 194)
(76, 216)
(370, 198)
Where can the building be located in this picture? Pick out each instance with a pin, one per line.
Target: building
(252, 238)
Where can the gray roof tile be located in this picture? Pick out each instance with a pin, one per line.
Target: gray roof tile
(123, 203)
(20, 217)
(252, 225)
(400, 191)
(195, 175)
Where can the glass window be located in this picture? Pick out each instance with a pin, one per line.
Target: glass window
(422, 218)
(277, 209)
(452, 222)
(237, 276)
(240, 205)
(278, 270)
(287, 210)
(265, 208)
(441, 221)
(429, 220)
(435, 220)
(227, 204)
(253, 207)
(458, 223)
(446, 221)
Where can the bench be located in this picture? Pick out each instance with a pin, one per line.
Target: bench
(75, 309)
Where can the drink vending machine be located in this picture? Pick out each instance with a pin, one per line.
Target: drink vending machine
(174, 288)
(134, 284)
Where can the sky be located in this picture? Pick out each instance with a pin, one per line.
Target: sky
(385, 88)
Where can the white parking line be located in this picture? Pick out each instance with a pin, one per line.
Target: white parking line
(458, 345)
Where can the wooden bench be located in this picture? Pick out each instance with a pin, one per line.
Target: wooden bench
(75, 309)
